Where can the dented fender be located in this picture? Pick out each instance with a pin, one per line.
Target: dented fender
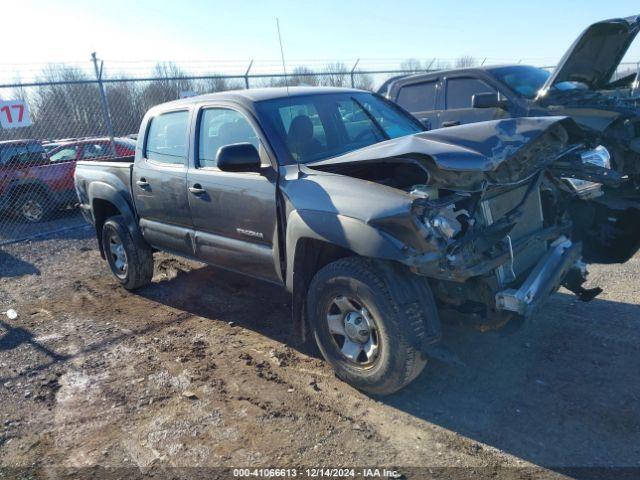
(346, 232)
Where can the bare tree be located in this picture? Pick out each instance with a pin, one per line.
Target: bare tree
(66, 110)
(440, 64)
(125, 107)
(170, 82)
(336, 75)
(219, 84)
(363, 81)
(466, 61)
(302, 75)
(411, 65)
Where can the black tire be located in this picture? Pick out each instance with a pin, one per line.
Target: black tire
(138, 256)
(32, 207)
(400, 325)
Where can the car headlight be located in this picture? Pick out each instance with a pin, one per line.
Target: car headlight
(599, 156)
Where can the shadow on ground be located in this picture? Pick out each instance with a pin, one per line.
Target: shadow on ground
(563, 391)
(12, 266)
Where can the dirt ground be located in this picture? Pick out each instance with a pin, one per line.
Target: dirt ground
(197, 370)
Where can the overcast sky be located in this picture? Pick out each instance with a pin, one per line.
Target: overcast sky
(236, 31)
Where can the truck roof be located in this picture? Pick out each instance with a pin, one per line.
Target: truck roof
(258, 94)
(385, 89)
(437, 73)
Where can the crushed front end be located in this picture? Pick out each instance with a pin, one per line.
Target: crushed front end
(488, 220)
(505, 241)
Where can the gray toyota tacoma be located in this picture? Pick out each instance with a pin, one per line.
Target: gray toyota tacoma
(375, 227)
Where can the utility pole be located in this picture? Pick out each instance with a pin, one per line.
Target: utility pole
(103, 101)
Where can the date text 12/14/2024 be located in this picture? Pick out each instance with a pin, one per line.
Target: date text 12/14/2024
(323, 472)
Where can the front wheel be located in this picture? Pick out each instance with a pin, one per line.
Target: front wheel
(130, 262)
(370, 338)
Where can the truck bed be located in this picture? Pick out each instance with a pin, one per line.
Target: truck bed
(115, 172)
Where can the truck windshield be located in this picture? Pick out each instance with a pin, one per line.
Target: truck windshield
(524, 80)
(316, 127)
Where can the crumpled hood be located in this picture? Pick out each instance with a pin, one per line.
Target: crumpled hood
(597, 52)
(473, 147)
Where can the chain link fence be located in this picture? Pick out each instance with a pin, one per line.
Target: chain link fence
(70, 116)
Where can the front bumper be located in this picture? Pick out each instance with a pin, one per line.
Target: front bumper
(543, 280)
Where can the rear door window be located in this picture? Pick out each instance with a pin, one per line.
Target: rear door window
(96, 150)
(419, 97)
(167, 138)
(461, 90)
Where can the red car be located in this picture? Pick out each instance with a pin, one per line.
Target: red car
(34, 183)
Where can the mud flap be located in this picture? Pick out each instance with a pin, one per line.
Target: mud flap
(573, 282)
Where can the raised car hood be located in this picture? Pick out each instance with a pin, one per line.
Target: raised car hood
(476, 149)
(597, 52)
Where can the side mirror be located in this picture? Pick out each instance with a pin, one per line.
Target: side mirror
(238, 157)
(487, 100)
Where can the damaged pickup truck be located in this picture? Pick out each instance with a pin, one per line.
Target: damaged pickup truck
(583, 87)
(375, 226)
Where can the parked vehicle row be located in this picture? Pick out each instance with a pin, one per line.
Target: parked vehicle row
(35, 181)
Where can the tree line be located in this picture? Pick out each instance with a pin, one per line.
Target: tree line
(69, 110)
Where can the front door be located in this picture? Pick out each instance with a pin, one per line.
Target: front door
(234, 213)
(458, 98)
(159, 184)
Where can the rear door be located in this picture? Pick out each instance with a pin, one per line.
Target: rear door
(159, 183)
(421, 99)
(234, 213)
(459, 92)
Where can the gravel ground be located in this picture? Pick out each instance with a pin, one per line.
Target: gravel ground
(197, 370)
(12, 229)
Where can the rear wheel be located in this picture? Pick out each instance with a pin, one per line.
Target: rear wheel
(370, 338)
(130, 262)
(32, 207)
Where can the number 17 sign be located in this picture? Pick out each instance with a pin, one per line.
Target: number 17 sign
(14, 114)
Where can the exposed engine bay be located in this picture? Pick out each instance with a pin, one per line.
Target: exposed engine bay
(495, 228)
(585, 86)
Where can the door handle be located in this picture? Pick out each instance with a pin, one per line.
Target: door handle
(197, 189)
(142, 183)
(451, 123)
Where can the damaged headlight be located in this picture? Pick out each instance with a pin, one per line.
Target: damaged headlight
(448, 227)
(600, 157)
(449, 221)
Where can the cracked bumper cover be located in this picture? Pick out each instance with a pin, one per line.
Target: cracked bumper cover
(543, 280)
